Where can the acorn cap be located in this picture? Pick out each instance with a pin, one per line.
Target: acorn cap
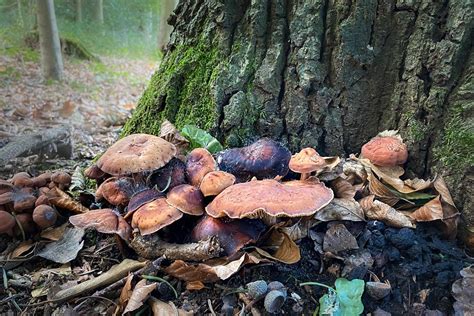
(264, 159)
(187, 199)
(274, 301)
(104, 221)
(155, 215)
(45, 216)
(136, 153)
(386, 149)
(255, 198)
(257, 288)
(7, 223)
(215, 182)
(199, 162)
(378, 290)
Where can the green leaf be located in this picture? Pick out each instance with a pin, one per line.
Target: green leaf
(349, 294)
(329, 305)
(200, 138)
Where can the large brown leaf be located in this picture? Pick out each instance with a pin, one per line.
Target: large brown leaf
(431, 211)
(125, 295)
(280, 247)
(160, 308)
(342, 188)
(450, 212)
(62, 200)
(140, 294)
(378, 210)
(346, 209)
(380, 190)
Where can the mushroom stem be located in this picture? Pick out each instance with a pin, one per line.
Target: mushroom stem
(152, 246)
(304, 176)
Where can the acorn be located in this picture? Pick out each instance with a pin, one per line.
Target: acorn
(277, 286)
(274, 301)
(378, 290)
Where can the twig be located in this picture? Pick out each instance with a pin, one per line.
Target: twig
(249, 304)
(85, 298)
(209, 303)
(155, 278)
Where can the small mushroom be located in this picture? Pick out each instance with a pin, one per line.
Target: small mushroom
(378, 290)
(140, 198)
(45, 216)
(7, 223)
(274, 301)
(169, 176)
(25, 221)
(255, 198)
(199, 163)
(386, 149)
(61, 179)
(41, 180)
(187, 199)
(232, 235)
(42, 200)
(104, 221)
(153, 216)
(94, 172)
(306, 161)
(116, 191)
(215, 182)
(264, 159)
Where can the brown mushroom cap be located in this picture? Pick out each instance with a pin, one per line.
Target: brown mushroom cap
(61, 177)
(187, 199)
(199, 163)
(94, 172)
(232, 235)
(45, 216)
(22, 179)
(215, 182)
(41, 180)
(251, 199)
(23, 200)
(155, 215)
(116, 191)
(5, 186)
(386, 151)
(306, 161)
(136, 153)
(7, 222)
(104, 221)
(42, 200)
(141, 198)
(26, 222)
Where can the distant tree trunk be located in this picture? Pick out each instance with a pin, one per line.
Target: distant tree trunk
(98, 11)
(329, 74)
(51, 59)
(164, 29)
(79, 11)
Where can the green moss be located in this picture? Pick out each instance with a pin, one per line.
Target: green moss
(179, 91)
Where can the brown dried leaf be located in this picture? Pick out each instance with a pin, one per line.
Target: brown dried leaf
(380, 190)
(329, 164)
(450, 212)
(300, 229)
(171, 134)
(22, 248)
(279, 246)
(343, 189)
(195, 286)
(354, 171)
(338, 239)
(125, 295)
(140, 293)
(65, 249)
(54, 233)
(385, 213)
(341, 210)
(62, 200)
(431, 211)
(418, 184)
(160, 308)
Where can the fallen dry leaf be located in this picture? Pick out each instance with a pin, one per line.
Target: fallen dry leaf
(380, 190)
(346, 209)
(171, 134)
(62, 200)
(160, 308)
(54, 233)
(354, 171)
(450, 212)
(338, 239)
(300, 229)
(65, 249)
(280, 247)
(342, 188)
(140, 294)
(195, 286)
(378, 210)
(22, 248)
(125, 295)
(431, 211)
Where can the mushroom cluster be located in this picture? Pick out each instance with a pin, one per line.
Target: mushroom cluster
(234, 195)
(25, 202)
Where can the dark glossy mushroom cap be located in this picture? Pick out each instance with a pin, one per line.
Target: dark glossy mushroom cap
(169, 176)
(104, 221)
(136, 153)
(154, 216)
(233, 235)
(264, 159)
(386, 150)
(199, 162)
(141, 198)
(7, 222)
(215, 182)
(116, 191)
(187, 199)
(94, 172)
(252, 199)
(45, 216)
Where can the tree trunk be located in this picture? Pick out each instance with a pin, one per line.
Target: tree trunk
(164, 29)
(79, 11)
(51, 59)
(98, 11)
(329, 74)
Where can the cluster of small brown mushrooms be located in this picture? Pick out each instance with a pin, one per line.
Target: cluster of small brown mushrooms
(25, 206)
(234, 195)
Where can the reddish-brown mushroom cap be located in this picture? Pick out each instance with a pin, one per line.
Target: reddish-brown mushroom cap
(215, 182)
(136, 153)
(155, 215)
(141, 198)
(22, 179)
(252, 199)
(42, 200)
(306, 161)
(61, 177)
(26, 222)
(104, 221)
(23, 200)
(5, 186)
(187, 199)
(386, 150)
(45, 216)
(7, 223)
(199, 163)
(232, 235)
(41, 180)
(116, 191)
(94, 172)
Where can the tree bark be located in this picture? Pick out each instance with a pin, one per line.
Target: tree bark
(51, 59)
(79, 11)
(329, 74)
(164, 29)
(98, 11)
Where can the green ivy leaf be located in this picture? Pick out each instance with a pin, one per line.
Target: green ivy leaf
(349, 294)
(200, 138)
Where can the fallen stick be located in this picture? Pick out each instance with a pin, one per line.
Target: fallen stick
(59, 138)
(116, 273)
(151, 246)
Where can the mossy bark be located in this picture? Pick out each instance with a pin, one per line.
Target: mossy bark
(329, 74)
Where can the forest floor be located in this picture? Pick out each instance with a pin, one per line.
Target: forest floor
(93, 101)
